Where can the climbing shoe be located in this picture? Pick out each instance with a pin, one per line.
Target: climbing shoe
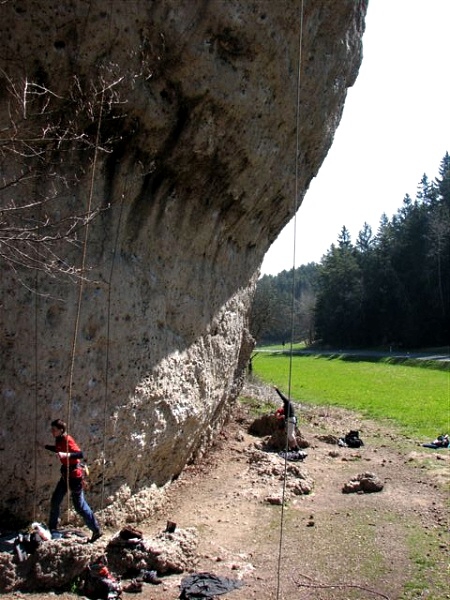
(95, 536)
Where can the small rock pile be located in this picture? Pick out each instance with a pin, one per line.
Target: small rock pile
(270, 468)
(363, 483)
(166, 553)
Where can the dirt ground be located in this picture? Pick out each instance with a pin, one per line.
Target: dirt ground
(324, 545)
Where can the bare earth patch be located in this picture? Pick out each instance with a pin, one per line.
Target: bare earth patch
(320, 545)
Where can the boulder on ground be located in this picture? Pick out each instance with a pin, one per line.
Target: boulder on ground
(364, 482)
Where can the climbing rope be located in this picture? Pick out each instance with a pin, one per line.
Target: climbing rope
(81, 279)
(83, 261)
(108, 327)
(36, 383)
(77, 319)
(35, 469)
(295, 206)
(108, 320)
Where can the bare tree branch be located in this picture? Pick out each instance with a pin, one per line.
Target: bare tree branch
(45, 128)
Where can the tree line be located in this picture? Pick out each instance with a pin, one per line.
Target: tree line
(389, 288)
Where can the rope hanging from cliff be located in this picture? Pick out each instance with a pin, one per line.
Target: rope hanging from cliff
(36, 366)
(295, 208)
(108, 323)
(36, 381)
(81, 278)
(83, 260)
(108, 329)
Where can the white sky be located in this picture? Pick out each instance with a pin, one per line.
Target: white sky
(395, 128)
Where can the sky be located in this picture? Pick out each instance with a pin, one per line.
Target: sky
(395, 127)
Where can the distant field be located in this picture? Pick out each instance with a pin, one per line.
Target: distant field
(418, 399)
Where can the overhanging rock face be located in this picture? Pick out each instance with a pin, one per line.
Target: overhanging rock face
(173, 123)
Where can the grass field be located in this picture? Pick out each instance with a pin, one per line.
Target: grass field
(417, 399)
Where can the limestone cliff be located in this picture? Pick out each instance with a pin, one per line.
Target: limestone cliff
(170, 126)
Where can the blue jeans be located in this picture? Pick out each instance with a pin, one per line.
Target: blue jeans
(79, 503)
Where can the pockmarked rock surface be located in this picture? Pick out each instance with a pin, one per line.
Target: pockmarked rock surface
(148, 151)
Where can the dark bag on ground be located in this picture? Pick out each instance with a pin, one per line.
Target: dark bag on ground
(352, 439)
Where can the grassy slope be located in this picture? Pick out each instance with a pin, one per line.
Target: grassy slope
(418, 400)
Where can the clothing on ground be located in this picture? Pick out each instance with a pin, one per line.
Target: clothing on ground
(442, 441)
(204, 586)
(293, 455)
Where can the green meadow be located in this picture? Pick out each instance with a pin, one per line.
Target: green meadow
(414, 397)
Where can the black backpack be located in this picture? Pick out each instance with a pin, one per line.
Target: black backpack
(352, 439)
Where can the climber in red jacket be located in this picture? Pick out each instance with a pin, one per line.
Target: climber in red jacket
(69, 454)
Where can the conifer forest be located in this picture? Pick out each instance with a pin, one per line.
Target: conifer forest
(387, 288)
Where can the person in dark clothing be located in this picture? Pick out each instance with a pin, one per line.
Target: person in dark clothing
(290, 420)
(69, 454)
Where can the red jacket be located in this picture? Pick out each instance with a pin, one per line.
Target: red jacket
(66, 443)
